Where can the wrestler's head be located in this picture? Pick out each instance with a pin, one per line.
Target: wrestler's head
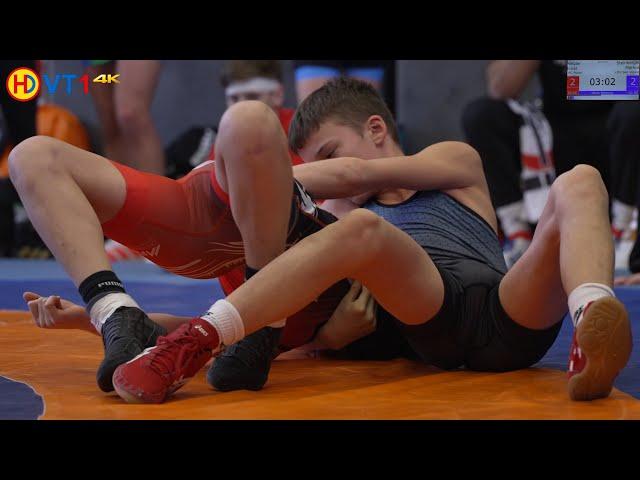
(344, 118)
(253, 80)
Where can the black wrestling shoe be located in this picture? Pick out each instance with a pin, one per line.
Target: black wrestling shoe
(245, 365)
(125, 334)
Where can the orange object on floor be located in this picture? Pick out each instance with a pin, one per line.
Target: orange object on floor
(60, 365)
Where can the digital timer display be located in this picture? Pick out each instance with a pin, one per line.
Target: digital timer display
(603, 79)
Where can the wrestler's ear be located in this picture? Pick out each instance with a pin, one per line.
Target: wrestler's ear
(376, 129)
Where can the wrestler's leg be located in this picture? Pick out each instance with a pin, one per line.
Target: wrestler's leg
(254, 168)
(362, 245)
(572, 246)
(67, 193)
(571, 259)
(398, 272)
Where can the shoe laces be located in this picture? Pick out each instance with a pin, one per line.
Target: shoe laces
(162, 359)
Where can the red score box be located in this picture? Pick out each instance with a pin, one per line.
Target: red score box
(573, 85)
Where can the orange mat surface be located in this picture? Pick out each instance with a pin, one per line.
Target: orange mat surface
(60, 366)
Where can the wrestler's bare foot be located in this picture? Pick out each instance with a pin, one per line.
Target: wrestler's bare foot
(58, 313)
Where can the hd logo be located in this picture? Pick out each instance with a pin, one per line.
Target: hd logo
(23, 84)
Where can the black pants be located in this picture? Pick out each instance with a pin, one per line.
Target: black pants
(20, 123)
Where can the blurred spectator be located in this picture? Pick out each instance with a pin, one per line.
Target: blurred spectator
(523, 148)
(124, 111)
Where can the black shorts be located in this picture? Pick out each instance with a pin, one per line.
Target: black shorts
(471, 329)
(306, 218)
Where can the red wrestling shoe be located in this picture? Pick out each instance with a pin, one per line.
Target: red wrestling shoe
(600, 349)
(161, 370)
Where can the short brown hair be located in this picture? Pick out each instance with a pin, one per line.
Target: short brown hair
(347, 101)
(240, 70)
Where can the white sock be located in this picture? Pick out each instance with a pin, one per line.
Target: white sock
(104, 307)
(511, 219)
(582, 295)
(621, 214)
(226, 320)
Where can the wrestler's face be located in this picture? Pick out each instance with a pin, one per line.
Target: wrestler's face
(334, 140)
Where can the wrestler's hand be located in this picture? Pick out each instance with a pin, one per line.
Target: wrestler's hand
(56, 312)
(354, 318)
(630, 280)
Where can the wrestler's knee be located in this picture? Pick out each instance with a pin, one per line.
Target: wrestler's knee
(583, 183)
(362, 233)
(250, 124)
(33, 159)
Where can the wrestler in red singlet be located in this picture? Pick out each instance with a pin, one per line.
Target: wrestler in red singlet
(186, 227)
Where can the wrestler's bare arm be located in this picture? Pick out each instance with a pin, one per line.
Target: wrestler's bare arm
(56, 312)
(442, 166)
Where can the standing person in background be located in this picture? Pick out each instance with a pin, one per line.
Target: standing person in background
(596, 133)
(124, 110)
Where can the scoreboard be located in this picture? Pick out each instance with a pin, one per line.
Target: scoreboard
(603, 79)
